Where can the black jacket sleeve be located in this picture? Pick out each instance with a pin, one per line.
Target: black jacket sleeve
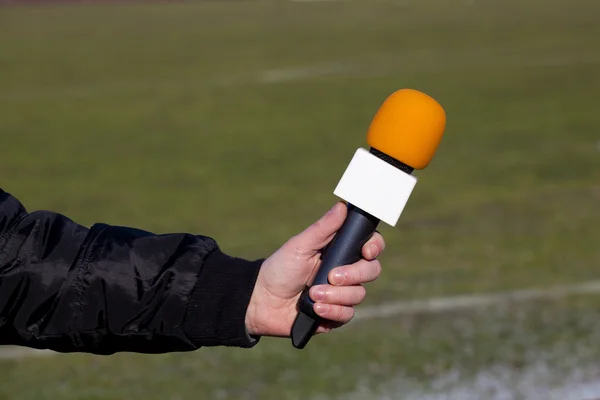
(110, 289)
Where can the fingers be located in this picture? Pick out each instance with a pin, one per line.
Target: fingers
(362, 271)
(335, 302)
(338, 295)
(374, 247)
(335, 313)
(320, 233)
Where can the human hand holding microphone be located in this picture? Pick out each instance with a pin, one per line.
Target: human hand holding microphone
(312, 283)
(161, 293)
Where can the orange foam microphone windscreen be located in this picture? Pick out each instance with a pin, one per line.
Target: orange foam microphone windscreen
(408, 126)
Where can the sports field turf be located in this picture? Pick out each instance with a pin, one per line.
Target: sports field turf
(236, 120)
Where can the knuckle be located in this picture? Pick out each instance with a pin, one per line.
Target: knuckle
(360, 272)
(341, 297)
(331, 296)
(299, 252)
(295, 248)
(353, 275)
(318, 227)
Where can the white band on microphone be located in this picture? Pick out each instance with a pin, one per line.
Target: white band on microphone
(375, 186)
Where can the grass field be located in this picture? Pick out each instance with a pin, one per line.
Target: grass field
(236, 120)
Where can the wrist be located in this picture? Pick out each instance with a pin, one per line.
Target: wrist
(254, 326)
(250, 318)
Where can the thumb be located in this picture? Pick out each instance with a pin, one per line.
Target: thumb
(316, 236)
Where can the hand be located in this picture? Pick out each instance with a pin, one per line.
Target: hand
(290, 269)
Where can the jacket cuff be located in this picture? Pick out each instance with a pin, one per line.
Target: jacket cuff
(216, 311)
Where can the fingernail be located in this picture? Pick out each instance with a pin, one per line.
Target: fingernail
(318, 294)
(332, 209)
(322, 309)
(339, 277)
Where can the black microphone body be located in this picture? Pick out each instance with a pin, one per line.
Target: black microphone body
(345, 248)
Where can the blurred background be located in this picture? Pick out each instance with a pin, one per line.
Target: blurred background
(236, 119)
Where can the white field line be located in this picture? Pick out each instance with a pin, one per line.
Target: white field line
(424, 60)
(12, 353)
(298, 73)
(265, 77)
(433, 305)
(474, 301)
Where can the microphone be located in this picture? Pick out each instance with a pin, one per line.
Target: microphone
(403, 136)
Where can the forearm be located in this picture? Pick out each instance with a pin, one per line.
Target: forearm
(109, 289)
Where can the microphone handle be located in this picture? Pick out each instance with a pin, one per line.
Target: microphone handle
(345, 248)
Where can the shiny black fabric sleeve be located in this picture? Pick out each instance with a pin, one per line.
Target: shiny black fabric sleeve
(111, 289)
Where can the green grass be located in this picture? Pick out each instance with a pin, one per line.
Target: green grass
(419, 349)
(158, 116)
